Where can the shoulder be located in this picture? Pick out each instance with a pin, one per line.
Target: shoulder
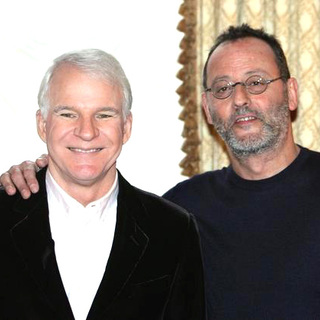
(311, 154)
(134, 197)
(198, 184)
(308, 161)
(9, 214)
(164, 222)
(14, 208)
(162, 208)
(7, 201)
(158, 217)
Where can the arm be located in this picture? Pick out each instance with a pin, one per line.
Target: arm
(22, 177)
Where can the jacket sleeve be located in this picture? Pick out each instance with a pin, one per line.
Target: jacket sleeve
(187, 300)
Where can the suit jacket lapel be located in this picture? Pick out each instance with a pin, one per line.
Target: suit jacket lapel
(33, 241)
(32, 238)
(129, 245)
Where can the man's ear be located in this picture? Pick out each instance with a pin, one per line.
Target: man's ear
(292, 87)
(127, 126)
(205, 107)
(41, 126)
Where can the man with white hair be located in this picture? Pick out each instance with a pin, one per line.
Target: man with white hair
(89, 245)
(259, 217)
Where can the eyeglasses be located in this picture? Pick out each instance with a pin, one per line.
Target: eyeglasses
(222, 89)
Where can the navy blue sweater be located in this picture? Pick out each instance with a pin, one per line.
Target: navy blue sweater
(260, 240)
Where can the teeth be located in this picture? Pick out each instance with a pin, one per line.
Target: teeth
(85, 150)
(245, 119)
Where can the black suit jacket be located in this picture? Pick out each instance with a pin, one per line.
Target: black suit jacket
(154, 270)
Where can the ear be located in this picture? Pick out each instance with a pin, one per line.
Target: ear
(206, 107)
(127, 126)
(41, 126)
(292, 87)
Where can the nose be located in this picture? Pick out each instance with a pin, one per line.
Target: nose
(86, 129)
(241, 96)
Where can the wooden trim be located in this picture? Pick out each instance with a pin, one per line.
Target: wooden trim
(188, 89)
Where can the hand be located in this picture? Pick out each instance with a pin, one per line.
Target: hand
(23, 177)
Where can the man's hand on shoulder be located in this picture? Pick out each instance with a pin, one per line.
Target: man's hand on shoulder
(22, 177)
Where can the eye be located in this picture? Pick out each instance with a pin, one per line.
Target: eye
(67, 115)
(255, 81)
(221, 89)
(103, 116)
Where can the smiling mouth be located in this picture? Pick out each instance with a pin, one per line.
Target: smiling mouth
(85, 150)
(244, 119)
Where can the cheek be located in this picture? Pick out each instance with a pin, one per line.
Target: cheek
(268, 99)
(56, 133)
(112, 133)
(221, 113)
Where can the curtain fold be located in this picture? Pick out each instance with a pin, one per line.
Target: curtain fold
(296, 23)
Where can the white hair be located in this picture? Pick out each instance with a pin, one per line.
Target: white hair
(94, 62)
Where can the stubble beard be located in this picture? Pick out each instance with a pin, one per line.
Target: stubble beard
(275, 124)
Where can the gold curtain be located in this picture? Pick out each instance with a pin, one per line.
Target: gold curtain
(296, 23)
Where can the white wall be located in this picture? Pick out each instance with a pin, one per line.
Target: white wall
(141, 34)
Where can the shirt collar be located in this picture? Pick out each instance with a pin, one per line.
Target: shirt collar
(58, 195)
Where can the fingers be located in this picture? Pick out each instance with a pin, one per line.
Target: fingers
(7, 184)
(22, 178)
(42, 161)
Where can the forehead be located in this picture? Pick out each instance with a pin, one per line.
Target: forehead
(73, 86)
(234, 59)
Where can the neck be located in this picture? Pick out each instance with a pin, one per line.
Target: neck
(86, 192)
(266, 164)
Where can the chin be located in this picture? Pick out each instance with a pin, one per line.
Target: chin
(85, 173)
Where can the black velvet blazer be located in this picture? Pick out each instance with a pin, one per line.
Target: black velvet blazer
(154, 270)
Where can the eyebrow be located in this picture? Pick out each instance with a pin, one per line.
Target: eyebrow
(257, 71)
(71, 108)
(248, 73)
(62, 108)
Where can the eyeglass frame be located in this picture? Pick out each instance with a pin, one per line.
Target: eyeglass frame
(243, 83)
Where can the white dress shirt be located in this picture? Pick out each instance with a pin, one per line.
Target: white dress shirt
(83, 238)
